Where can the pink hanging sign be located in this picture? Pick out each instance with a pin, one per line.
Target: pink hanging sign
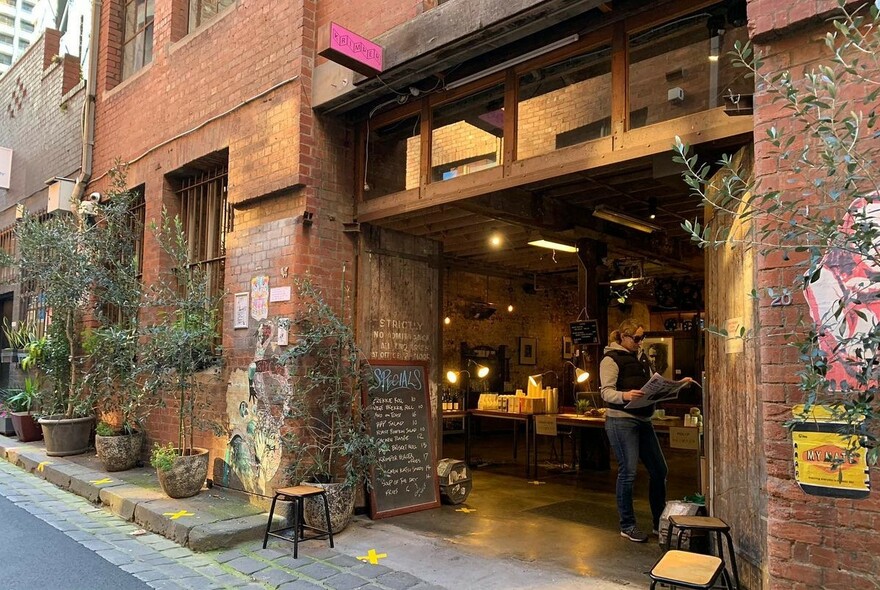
(351, 50)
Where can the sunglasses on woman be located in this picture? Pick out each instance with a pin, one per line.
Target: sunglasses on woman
(636, 339)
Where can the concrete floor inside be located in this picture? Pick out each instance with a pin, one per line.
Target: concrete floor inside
(566, 522)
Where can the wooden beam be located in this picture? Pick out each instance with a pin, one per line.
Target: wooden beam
(646, 141)
(619, 82)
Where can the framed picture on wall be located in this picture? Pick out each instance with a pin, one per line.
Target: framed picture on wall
(528, 351)
(567, 351)
(659, 352)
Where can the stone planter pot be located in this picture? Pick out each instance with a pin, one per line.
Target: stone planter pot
(66, 436)
(341, 501)
(187, 476)
(119, 453)
(25, 426)
(6, 427)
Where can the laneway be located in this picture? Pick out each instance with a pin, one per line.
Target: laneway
(32, 553)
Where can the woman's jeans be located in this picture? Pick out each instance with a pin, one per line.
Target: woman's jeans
(632, 440)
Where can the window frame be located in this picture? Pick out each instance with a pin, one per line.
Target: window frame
(143, 33)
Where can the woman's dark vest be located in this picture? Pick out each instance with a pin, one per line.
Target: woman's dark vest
(632, 374)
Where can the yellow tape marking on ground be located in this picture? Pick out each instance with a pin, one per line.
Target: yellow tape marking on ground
(466, 510)
(373, 557)
(98, 482)
(42, 466)
(537, 483)
(178, 514)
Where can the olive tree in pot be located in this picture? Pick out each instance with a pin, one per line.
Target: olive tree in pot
(58, 256)
(328, 440)
(113, 371)
(179, 346)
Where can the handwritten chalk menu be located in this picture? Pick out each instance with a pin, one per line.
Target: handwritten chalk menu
(406, 480)
(585, 332)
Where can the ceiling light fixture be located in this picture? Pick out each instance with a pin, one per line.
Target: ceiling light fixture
(553, 245)
(495, 240)
(603, 212)
(652, 208)
(514, 61)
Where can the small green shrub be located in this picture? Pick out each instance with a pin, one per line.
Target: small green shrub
(104, 429)
(582, 405)
(162, 457)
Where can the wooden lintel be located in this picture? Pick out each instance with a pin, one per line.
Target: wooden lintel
(701, 127)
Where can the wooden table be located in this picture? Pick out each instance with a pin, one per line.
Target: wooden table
(524, 418)
(598, 422)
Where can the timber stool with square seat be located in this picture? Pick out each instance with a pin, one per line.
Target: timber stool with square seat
(710, 525)
(683, 569)
(298, 494)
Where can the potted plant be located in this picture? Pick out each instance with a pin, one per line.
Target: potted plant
(179, 347)
(113, 373)
(6, 427)
(57, 254)
(328, 439)
(17, 336)
(19, 405)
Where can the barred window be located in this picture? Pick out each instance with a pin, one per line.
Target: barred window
(137, 35)
(202, 11)
(8, 273)
(206, 218)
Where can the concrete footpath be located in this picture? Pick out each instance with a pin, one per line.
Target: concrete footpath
(214, 540)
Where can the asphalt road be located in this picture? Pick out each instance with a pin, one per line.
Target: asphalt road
(35, 555)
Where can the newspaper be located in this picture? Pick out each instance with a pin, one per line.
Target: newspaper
(659, 389)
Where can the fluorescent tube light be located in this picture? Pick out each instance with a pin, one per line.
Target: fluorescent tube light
(542, 243)
(514, 61)
(621, 219)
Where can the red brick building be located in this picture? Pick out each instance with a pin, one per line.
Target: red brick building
(501, 118)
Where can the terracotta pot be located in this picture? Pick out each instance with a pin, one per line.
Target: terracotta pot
(26, 427)
(66, 436)
(187, 476)
(341, 501)
(118, 453)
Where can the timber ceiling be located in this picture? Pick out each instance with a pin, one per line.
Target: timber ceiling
(562, 208)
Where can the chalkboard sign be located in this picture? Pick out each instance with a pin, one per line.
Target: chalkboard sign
(585, 332)
(406, 480)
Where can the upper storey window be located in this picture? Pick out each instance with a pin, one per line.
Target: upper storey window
(137, 42)
(202, 11)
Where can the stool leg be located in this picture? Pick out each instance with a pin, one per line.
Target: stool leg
(677, 536)
(327, 516)
(297, 509)
(732, 558)
(726, 576)
(269, 524)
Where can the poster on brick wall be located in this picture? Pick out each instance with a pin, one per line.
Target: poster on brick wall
(260, 297)
(5, 167)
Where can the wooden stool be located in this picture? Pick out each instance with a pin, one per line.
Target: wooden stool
(298, 494)
(686, 569)
(711, 525)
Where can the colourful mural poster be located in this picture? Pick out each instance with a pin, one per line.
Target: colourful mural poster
(826, 462)
(260, 297)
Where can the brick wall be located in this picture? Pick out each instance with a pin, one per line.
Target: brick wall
(544, 315)
(813, 542)
(41, 100)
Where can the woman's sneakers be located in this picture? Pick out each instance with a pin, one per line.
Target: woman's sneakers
(635, 535)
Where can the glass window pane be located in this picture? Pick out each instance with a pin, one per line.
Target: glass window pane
(151, 9)
(564, 104)
(682, 67)
(130, 21)
(393, 157)
(138, 52)
(468, 135)
(148, 44)
(128, 60)
(141, 13)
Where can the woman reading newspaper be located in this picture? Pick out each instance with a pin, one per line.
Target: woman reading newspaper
(622, 373)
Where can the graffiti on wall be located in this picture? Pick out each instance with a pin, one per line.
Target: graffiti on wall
(256, 403)
(846, 276)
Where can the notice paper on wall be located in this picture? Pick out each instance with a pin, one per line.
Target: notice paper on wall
(659, 389)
